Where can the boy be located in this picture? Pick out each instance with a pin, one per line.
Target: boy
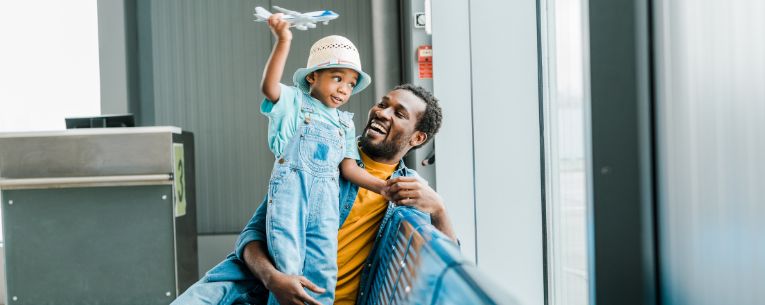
(311, 138)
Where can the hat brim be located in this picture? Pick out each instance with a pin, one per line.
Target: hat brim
(299, 77)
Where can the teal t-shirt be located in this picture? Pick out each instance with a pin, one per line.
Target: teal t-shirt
(285, 116)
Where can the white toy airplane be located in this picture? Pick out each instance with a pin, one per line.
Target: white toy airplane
(300, 21)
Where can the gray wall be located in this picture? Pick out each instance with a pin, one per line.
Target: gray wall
(711, 116)
(213, 249)
(413, 38)
(113, 57)
(199, 67)
(2, 274)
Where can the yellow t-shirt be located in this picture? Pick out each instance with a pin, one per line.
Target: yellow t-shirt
(357, 235)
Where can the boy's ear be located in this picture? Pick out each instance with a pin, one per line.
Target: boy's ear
(311, 77)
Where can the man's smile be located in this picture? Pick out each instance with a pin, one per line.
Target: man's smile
(377, 126)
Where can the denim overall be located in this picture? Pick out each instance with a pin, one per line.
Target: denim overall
(303, 198)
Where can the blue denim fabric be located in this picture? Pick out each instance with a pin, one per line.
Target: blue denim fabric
(233, 268)
(204, 292)
(303, 216)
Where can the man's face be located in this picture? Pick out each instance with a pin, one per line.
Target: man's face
(391, 126)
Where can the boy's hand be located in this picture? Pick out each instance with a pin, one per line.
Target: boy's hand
(385, 192)
(414, 192)
(279, 27)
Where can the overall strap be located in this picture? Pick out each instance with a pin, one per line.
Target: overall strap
(346, 118)
(306, 108)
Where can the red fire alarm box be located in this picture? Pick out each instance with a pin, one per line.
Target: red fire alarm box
(425, 61)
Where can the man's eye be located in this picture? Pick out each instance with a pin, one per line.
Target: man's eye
(336, 78)
(399, 114)
(353, 85)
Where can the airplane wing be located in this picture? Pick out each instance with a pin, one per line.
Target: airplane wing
(288, 12)
(261, 14)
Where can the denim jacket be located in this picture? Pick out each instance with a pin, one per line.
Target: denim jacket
(233, 267)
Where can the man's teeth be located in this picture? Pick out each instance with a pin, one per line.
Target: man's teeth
(377, 127)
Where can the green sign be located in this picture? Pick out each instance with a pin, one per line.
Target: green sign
(179, 183)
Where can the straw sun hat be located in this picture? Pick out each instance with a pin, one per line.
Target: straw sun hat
(332, 52)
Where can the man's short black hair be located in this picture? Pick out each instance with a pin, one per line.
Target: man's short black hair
(430, 120)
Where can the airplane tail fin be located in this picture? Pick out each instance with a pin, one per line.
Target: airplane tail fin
(261, 14)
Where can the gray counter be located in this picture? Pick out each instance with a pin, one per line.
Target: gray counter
(98, 216)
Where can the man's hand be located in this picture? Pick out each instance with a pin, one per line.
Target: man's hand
(288, 289)
(415, 192)
(279, 27)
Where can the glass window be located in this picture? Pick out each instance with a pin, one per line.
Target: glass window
(49, 60)
(50, 68)
(710, 138)
(564, 58)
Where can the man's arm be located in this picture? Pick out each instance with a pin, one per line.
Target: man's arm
(251, 248)
(288, 289)
(414, 192)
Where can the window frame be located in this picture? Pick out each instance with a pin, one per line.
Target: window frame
(621, 203)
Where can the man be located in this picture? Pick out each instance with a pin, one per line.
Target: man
(404, 119)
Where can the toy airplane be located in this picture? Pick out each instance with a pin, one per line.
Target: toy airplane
(300, 21)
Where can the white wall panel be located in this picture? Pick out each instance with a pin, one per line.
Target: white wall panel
(486, 73)
(507, 145)
(454, 146)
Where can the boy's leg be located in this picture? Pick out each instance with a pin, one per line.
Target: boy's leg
(321, 238)
(285, 222)
(216, 293)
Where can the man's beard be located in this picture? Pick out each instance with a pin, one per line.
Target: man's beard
(387, 149)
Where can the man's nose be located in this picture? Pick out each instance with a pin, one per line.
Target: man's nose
(343, 89)
(383, 113)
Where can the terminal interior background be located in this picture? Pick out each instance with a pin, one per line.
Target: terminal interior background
(598, 151)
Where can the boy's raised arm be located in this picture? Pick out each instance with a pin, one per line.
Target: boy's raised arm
(272, 75)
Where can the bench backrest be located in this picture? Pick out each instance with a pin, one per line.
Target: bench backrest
(414, 263)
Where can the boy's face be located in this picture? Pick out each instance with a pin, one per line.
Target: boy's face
(333, 87)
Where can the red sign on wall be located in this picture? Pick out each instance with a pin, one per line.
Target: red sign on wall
(425, 61)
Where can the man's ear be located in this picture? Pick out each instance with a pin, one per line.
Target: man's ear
(418, 138)
(310, 78)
